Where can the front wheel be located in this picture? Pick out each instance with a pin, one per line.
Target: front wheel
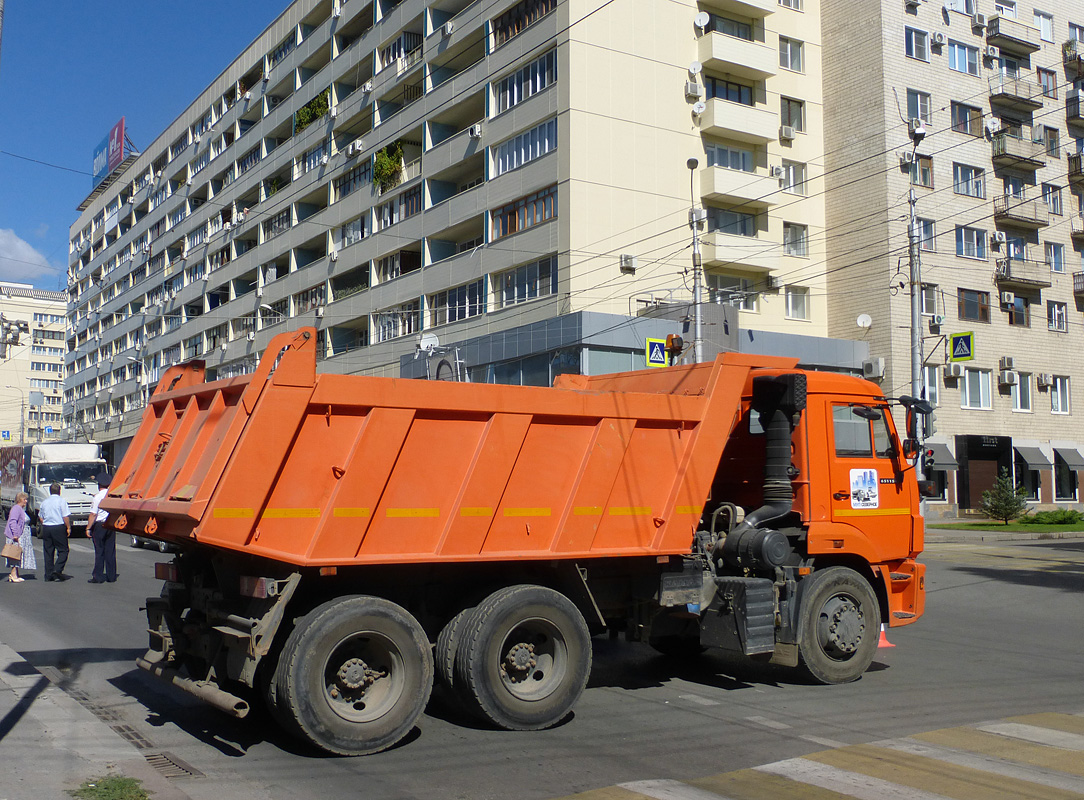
(838, 626)
(354, 676)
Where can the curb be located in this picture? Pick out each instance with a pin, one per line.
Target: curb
(948, 536)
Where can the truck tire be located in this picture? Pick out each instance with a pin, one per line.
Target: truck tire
(838, 626)
(353, 676)
(447, 645)
(523, 659)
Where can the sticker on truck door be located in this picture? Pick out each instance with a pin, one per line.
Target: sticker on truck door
(864, 488)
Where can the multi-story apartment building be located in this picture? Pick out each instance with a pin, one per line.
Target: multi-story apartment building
(510, 176)
(995, 88)
(31, 364)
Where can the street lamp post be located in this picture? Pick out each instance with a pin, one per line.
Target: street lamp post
(22, 412)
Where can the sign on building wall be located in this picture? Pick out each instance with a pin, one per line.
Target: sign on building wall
(656, 353)
(109, 154)
(961, 346)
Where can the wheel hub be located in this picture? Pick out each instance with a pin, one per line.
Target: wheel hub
(520, 659)
(355, 674)
(841, 626)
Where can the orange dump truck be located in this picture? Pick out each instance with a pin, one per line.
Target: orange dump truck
(346, 540)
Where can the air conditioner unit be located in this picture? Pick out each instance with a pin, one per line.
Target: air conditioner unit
(223, 347)
(358, 145)
(336, 12)
(992, 51)
(1006, 363)
(320, 311)
(367, 86)
(978, 20)
(873, 368)
(334, 256)
(227, 224)
(777, 172)
(937, 320)
(954, 370)
(628, 265)
(324, 159)
(786, 133)
(937, 39)
(999, 237)
(1044, 379)
(195, 139)
(1007, 299)
(259, 291)
(334, 111)
(350, 150)
(248, 96)
(188, 182)
(773, 282)
(475, 131)
(449, 28)
(251, 336)
(906, 158)
(693, 89)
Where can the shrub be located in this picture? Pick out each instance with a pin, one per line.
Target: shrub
(1004, 501)
(388, 165)
(1062, 516)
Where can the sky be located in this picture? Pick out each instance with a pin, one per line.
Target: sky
(69, 69)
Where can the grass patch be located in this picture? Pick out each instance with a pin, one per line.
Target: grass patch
(1012, 527)
(111, 787)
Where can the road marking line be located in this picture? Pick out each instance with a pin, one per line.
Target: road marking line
(987, 763)
(700, 701)
(769, 723)
(854, 784)
(1032, 733)
(671, 790)
(833, 743)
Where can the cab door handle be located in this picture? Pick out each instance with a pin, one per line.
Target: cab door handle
(841, 495)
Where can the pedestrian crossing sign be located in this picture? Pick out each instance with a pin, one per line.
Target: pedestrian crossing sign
(961, 346)
(656, 353)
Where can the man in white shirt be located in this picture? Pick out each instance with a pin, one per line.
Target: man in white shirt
(104, 538)
(56, 527)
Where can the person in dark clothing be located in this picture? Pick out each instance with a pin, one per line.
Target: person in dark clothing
(104, 538)
(56, 527)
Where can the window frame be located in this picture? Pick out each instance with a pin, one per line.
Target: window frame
(921, 171)
(1057, 316)
(985, 389)
(1060, 395)
(971, 60)
(916, 36)
(796, 303)
(796, 246)
(975, 178)
(927, 243)
(1017, 393)
(977, 297)
(795, 50)
(971, 124)
(919, 96)
(979, 243)
(792, 109)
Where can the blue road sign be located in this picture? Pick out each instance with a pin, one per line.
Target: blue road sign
(961, 346)
(656, 353)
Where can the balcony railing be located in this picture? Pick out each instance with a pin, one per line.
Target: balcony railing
(1074, 109)
(1021, 212)
(1017, 151)
(1018, 93)
(1078, 283)
(1072, 55)
(1076, 228)
(1076, 169)
(1012, 36)
(1014, 273)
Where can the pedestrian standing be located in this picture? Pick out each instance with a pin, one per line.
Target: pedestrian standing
(104, 538)
(13, 532)
(56, 527)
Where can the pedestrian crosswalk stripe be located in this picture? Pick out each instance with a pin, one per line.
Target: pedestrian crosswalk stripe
(1032, 733)
(852, 784)
(750, 784)
(1070, 723)
(671, 790)
(1013, 750)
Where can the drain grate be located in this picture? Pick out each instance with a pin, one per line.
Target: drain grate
(170, 766)
(132, 736)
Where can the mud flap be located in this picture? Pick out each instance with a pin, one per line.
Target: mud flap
(741, 617)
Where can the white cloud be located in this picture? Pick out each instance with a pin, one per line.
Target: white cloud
(21, 263)
(42, 230)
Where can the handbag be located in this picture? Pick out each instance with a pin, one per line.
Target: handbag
(12, 550)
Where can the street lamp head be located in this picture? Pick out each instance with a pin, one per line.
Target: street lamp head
(692, 163)
(265, 307)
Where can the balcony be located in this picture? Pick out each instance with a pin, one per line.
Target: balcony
(1074, 109)
(757, 9)
(1076, 170)
(739, 252)
(1018, 94)
(740, 123)
(1017, 152)
(746, 189)
(1012, 37)
(1021, 212)
(1013, 274)
(1078, 284)
(739, 57)
(1072, 56)
(1076, 229)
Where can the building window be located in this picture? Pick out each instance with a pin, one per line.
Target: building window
(1056, 316)
(524, 213)
(1005, 8)
(793, 4)
(1059, 395)
(931, 386)
(795, 239)
(963, 58)
(520, 17)
(922, 171)
(918, 106)
(731, 91)
(1052, 139)
(361, 175)
(1019, 312)
(1076, 32)
(790, 54)
(970, 242)
(1052, 198)
(973, 305)
(401, 320)
(526, 81)
(353, 231)
(968, 180)
(1048, 79)
(976, 389)
(925, 234)
(966, 119)
(527, 282)
(929, 298)
(793, 177)
(1045, 23)
(729, 157)
(792, 113)
(797, 302)
(1065, 480)
(1055, 256)
(1021, 392)
(462, 302)
(963, 6)
(526, 147)
(731, 27)
(731, 289)
(916, 44)
(734, 223)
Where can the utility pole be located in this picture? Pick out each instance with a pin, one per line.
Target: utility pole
(696, 217)
(917, 133)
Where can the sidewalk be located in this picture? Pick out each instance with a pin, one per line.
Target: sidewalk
(935, 535)
(50, 744)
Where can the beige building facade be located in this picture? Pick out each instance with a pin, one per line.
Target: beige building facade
(991, 92)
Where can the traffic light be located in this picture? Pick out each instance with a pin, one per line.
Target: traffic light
(927, 460)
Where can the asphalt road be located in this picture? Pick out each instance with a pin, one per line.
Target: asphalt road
(1002, 636)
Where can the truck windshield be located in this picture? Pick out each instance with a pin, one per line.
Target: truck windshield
(73, 472)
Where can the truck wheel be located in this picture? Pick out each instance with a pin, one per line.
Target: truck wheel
(523, 658)
(447, 645)
(354, 675)
(839, 625)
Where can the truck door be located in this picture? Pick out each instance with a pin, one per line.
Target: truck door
(868, 490)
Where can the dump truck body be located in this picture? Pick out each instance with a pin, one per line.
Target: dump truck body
(605, 502)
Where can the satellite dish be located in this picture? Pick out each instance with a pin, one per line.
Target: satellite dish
(864, 320)
(702, 19)
(428, 342)
(698, 107)
(695, 67)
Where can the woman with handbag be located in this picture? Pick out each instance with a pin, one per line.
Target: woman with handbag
(17, 520)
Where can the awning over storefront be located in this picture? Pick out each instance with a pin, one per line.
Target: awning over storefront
(1033, 457)
(942, 457)
(1071, 457)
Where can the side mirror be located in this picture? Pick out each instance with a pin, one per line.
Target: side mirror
(927, 488)
(910, 447)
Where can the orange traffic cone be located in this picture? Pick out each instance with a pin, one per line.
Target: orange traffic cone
(883, 642)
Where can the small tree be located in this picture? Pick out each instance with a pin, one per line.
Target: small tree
(1005, 501)
(388, 166)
